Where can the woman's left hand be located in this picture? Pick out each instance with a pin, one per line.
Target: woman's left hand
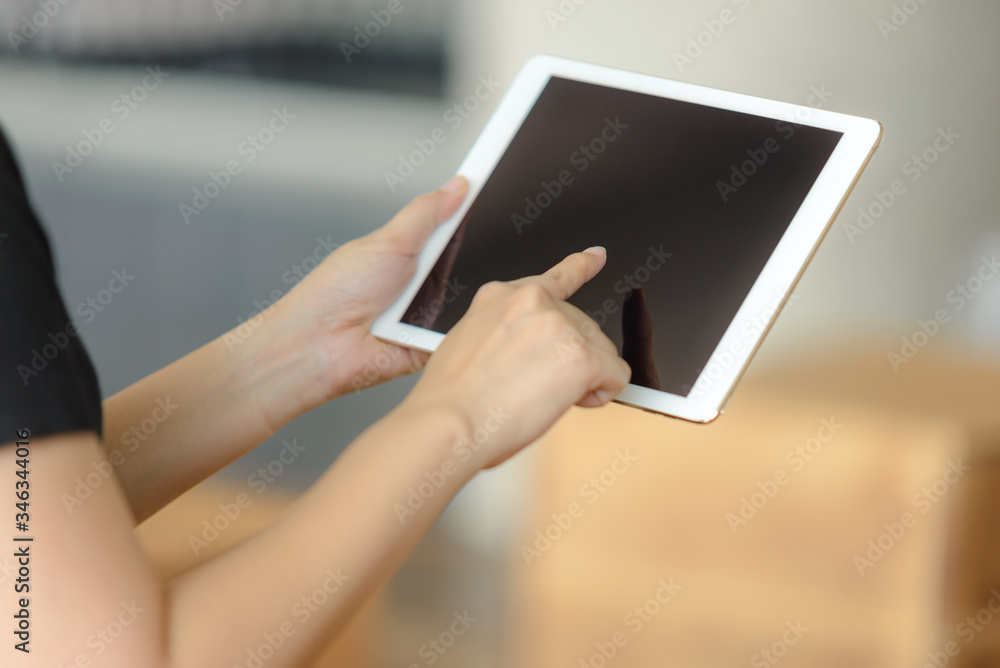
(331, 311)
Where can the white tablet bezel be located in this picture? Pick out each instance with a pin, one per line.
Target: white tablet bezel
(715, 384)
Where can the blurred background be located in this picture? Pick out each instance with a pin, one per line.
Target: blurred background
(699, 557)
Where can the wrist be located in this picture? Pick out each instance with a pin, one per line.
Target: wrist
(483, 434)
(280, 375)
(444, 430)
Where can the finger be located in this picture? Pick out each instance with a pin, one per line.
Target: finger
(592, 400)
(418, 359)
(610, 378)
(411, 227)
(565, 278)
(588, 328)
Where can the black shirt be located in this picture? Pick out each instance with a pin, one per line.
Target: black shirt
(47, 382)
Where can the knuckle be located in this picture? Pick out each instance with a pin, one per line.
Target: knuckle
(388, 237)
(578, 262)
(530, 296)
(422, 201)
(626, 373)
(489, 291)
(558, 274)
(525, 300)
(590, 328)
(551, 324)
(585, 365)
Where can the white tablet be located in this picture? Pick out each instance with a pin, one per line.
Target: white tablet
(709, 203)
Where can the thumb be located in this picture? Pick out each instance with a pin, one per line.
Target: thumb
(413, 225)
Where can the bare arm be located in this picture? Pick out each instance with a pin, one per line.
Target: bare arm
(95, 600)
(176, 427)
(304, 577)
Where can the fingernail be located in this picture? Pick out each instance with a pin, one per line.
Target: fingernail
(454, 185)
(597, 250)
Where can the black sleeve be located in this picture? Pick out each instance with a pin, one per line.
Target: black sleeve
(47, 382)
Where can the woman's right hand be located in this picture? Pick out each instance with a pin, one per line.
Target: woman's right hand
(521, 357)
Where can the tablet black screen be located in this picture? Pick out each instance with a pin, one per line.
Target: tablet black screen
(689, 200)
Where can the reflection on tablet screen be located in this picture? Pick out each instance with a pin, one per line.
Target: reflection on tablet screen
(689, 200)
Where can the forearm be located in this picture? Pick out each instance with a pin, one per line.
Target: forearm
(176, 427)
(313, 345)
(347, 533)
